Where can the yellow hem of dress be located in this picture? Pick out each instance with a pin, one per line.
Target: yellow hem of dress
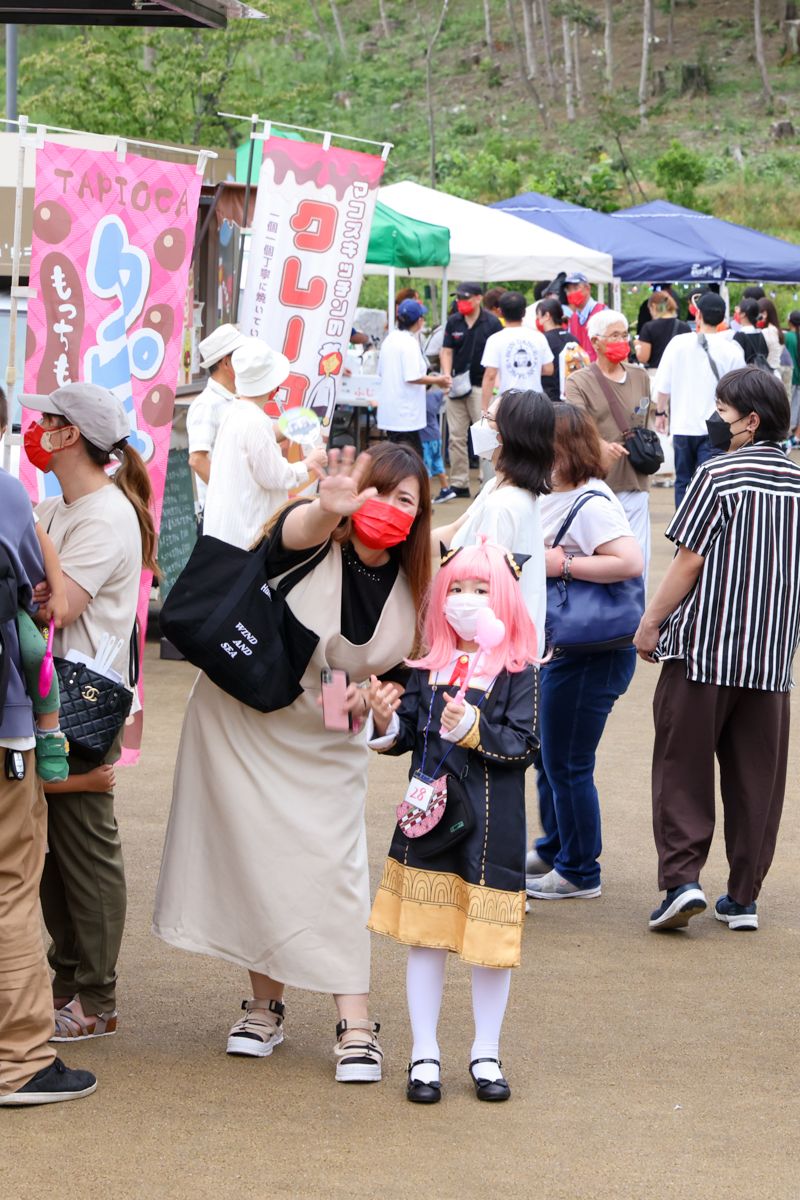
(482, 925)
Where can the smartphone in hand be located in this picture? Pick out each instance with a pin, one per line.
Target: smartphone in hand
(334, 689)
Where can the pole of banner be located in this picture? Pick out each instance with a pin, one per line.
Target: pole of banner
(245, 216)
(11, 365)
(390, 316)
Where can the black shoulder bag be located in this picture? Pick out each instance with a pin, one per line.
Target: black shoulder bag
(643, 445)
(93, 707)
(225, 618)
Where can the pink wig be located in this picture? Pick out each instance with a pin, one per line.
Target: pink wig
(489, 563)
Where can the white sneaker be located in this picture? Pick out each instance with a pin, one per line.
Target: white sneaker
(553, 887)
(259, 1031)
(535, 865)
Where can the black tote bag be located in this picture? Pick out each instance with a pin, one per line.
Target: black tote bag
(226, 619)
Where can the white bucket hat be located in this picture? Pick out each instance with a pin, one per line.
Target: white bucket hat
(258, 368)
(223, 340)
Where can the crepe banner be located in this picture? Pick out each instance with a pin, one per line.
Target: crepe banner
(307, 249)
(112, 244)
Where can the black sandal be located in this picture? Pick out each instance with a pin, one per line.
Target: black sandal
(490, 1089)
(423, 1093)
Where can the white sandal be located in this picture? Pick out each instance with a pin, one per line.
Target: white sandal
(358, 1060)
(259, 1031)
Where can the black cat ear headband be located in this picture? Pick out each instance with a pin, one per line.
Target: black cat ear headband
(514, 562)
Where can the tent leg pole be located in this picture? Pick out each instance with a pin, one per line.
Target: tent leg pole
(601, 293)
(13, 315)
(724, 291)
(444, 295)
(392, 293)
(616, 292)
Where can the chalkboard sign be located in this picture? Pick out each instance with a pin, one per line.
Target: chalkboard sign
(178, 524)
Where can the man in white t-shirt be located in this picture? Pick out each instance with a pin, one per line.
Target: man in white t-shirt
(517, 356)
(250, 478)
(206, 410)
(686, 384)
(404, 378)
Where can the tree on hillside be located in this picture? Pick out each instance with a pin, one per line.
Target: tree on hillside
(547, 43)
(524, 71)
(568, 89)
(432, 40)
(608, 46)
(487, 27)
(644, 75)
(528, 22)
(759, 49)
(337, 21)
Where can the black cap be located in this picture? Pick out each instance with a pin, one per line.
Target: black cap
(712, 308)
(465, 290)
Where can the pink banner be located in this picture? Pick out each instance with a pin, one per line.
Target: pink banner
(307, 251)
(112, 244)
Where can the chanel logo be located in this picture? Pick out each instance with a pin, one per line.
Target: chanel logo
(90, 693)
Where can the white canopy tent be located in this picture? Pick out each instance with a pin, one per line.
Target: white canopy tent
(487, 244)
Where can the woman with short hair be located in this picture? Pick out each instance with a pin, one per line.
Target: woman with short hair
(612, 376)
(725, 624)
(578, 688)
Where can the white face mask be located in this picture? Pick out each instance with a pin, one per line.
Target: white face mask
(484, 439)
(461, 611)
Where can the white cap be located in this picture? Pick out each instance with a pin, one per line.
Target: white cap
(223, 340)
(258, 368)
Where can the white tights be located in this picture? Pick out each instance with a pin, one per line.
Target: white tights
(424, 985)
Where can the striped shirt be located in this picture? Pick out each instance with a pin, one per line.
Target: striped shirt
(739, 626)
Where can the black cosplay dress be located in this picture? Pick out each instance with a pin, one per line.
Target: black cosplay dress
(471, 898)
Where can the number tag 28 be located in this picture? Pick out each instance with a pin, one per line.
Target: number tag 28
(422, 790)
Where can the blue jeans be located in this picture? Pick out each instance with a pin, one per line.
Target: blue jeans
(577, 694)
(690, 450)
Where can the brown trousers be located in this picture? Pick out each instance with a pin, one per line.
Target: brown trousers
(26, 999)
(748, 730)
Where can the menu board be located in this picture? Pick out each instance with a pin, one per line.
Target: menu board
(178, 522)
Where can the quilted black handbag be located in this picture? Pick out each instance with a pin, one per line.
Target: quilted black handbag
(93, 707)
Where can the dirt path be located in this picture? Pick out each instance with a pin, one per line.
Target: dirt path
(643, 1067)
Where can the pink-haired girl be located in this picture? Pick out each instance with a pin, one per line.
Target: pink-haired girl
(469, 896)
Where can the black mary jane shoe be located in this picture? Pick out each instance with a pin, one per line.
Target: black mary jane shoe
(423, 1093)
(489, 1089)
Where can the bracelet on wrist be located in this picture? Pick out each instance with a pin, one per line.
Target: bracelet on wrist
(661, 412)
(566, 568)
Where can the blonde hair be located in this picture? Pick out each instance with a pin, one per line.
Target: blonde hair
(661, 304)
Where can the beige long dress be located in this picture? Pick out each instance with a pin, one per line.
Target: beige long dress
(265, 859)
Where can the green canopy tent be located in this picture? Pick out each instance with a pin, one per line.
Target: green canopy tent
(399, 241)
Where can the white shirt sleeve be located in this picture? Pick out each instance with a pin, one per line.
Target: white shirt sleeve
(491, 352)
(664, 372)
(414, 367)
(596, 523)
(267, 465)
(387, 739)
(200, 426)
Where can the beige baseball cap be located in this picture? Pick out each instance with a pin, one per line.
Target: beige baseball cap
(258, 368)
(223, 340)
(95, 411)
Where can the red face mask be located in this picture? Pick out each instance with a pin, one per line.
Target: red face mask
(539, 325)
(617, 352)
(380, 525)
(465, 307)
(39, 455)
(575, 299)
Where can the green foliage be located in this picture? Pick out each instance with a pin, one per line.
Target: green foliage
(597, 187)
(484, 176)
(679, 171)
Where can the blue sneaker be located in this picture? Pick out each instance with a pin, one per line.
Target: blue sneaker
(678, 907)
(736, 916)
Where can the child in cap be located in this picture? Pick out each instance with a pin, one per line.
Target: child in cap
(431, 438)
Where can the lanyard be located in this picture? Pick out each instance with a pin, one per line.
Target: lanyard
(444, 757)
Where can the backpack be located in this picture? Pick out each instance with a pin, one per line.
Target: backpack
(8, 612)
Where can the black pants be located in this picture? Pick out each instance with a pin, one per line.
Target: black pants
(748, 731)
(408, 438)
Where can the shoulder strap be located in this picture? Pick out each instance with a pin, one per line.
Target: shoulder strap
(617, 411)
(703, 340)
(133, 661)
(573, 512)
(293, 577)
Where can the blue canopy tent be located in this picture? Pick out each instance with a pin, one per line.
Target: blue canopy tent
(638, 254)
(746, 254)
